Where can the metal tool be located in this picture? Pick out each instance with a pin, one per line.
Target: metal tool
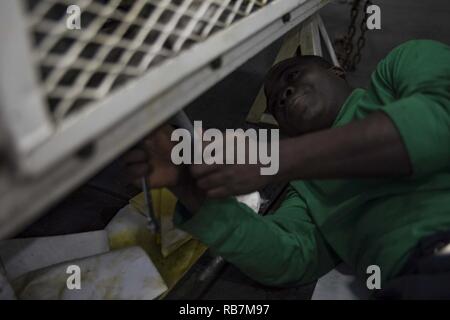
(182, 121)
(153, 223)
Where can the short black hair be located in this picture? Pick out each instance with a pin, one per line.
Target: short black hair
(277, 70)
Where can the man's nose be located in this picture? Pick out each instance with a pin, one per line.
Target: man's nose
(287, 92)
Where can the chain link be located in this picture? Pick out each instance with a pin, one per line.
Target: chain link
(362, 38)
(347, 59)
(351, 31)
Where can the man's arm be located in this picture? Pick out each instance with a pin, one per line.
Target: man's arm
(371, 147)
(279, 249)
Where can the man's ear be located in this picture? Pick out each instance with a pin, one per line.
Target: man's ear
(338, 71)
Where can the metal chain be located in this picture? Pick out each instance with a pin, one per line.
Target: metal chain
(347, 59)
(362, 38)
(348, 39)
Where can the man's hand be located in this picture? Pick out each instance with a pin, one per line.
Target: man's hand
(223, 180)
(152, 158)
(219, 181)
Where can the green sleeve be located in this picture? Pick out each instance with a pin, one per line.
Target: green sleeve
(278, 249)
(418, 75)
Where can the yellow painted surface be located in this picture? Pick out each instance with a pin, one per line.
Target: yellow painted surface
(182, 251)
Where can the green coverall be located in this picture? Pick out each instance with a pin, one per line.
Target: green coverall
(360, 222)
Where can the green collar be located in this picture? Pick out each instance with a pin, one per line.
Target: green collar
(349, 105)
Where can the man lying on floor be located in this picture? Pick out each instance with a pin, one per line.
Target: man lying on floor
(369, 173)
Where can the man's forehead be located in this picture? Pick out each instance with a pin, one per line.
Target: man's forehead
(278, 69)
(275, 73)
(282, 66)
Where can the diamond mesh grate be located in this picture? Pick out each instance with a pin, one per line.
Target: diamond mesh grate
(119, 40)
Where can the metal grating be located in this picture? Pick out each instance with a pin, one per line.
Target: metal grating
(119, 40)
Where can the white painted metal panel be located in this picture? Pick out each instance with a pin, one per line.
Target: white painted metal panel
(113, 117)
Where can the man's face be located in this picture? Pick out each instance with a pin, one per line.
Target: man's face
(300, 96)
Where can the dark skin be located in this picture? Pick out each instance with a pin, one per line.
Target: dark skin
(305, 97)
(305, 100)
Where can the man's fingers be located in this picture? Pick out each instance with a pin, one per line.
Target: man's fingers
(212, 181)
(163, 178)
(200, 170)
(220, 192)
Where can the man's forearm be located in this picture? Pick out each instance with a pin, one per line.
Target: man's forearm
(366, 148)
